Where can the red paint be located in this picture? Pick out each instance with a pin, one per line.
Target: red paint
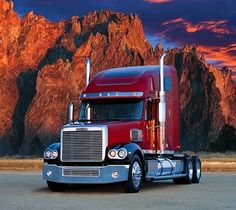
(119, 132)
(143, 79)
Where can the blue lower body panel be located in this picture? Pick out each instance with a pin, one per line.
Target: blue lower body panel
(85, 174)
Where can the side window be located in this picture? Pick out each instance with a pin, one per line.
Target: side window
(168, 84)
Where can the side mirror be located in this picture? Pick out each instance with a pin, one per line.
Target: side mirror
(70, 113)
(87, 71)
(83, 114)
(162, 111)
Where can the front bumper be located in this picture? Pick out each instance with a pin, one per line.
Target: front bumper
(83, 174)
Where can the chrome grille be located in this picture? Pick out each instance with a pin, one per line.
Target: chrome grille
(82, 146)
(81, 172)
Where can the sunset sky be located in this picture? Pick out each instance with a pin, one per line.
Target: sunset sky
(209, 24)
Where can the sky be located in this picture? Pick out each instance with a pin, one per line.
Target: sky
(209, 24)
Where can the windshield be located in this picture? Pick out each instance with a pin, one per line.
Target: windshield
(111, 110)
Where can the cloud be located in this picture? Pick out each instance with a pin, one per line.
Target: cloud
(158, 1)
(215, 39)
(217, 27)
(177, 20)
(220, 56)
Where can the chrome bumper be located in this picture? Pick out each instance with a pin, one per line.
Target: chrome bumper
(71, 174)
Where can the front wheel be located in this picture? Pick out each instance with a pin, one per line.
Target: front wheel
(56, 187)
(134, 183)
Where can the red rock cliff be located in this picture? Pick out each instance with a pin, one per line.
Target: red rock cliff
(207, 101)
(42, 68)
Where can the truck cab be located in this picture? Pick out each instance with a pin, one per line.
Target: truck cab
(127, 131)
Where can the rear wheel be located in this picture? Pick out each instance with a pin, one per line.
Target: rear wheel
(134, 183)
(56, 187)
(197, 172)
(189, 174)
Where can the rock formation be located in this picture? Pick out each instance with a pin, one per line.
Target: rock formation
(207, 98)
(42, 67)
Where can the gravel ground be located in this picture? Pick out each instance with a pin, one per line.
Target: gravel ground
(27, 190)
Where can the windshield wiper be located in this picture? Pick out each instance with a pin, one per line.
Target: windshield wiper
(113, 119)
(86, 120)
(120, 119)
(108, 119)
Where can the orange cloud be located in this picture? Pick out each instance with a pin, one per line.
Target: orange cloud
(218, 27)
(157, 1)
(177, 20)
(220, 54)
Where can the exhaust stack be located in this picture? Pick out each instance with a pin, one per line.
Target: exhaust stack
(70, 113)
(162, 106)
(87, 71)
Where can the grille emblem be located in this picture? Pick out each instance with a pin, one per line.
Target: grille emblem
(81, 129)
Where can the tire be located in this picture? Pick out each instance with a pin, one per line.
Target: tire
(197, 172)
(56, 187)
(134, 183)
(178, 181)
(189, 173)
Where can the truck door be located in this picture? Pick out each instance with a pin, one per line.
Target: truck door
(151, 113)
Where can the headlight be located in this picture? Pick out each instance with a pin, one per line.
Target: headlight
(112, 153)
(122, 153)
(54, 154)
(117, 154)
(48, 154)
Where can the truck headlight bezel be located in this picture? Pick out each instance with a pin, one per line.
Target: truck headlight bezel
(112, 153)
(50, 154)
(122, 153)
(47, 154)
(119, 154)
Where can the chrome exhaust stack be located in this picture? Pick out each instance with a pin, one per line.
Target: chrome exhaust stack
(162, 106)
(87, 71)
(70, 113)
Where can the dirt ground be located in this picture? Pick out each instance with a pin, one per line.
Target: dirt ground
(210, 162)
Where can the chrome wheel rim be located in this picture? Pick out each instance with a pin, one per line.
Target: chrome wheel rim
(136, 174)
(198, 169)
(190, 170)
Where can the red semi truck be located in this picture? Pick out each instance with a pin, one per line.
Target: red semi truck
(127, 131)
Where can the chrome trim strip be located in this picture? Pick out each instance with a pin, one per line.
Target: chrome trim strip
(149, 151)
(166, 152)
(80, 168)
(111, 94)
(166, 176)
